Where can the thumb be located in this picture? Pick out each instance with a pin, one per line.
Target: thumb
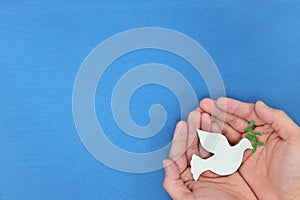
(279, 121)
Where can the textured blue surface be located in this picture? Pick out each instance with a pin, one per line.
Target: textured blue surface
(255, 45)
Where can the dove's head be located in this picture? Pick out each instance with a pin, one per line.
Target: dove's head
(245, 144)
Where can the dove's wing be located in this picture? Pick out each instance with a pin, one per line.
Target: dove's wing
(213, 142)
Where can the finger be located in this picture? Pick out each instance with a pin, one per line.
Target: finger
(187, 175)
(231, 134)
(178, 148)
(198, 109)
(215, 128)
(239, 109)
(205, 122)
(193, 122)
(279, 121)
(209, 106)
(172, 183)
(205, 126)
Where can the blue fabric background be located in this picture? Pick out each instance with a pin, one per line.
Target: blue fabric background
(254, 44)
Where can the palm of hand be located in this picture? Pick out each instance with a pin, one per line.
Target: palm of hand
(211, 186)
(272, 166)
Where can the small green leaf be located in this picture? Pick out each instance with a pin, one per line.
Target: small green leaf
(254, 148)
(248, 129)
(251, 123)
(257, 133)
(249, 137)
(260, 144)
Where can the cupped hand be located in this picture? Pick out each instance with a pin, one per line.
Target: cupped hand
(178, 179)
(273, 172)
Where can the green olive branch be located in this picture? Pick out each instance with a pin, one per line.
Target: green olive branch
(252, 137)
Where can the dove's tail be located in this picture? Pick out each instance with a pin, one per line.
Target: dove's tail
(198, 166)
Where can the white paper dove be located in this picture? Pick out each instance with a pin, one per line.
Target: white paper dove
(226, 159)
